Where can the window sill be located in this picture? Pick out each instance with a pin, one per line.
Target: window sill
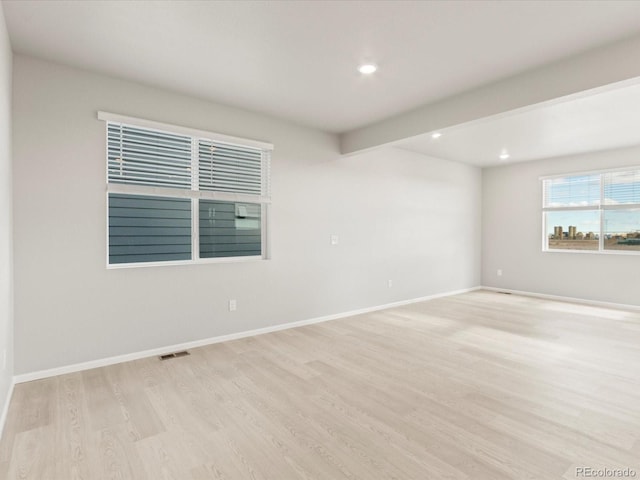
(593, 252)
(202, 261)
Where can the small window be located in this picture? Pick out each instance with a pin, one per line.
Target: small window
(597, 212)
(176, 195)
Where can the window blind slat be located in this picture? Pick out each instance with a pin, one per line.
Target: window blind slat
(233, 169)
(161, 169)
(574, 191)
(221, 167)
(622, 188)
(148, 157)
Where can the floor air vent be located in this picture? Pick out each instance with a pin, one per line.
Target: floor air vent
(505, 293)
(168, 356)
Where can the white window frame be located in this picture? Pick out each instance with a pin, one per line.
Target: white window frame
(194, 193)
(600, 208)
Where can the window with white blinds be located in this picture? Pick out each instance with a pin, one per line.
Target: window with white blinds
(595, 211)
(139, 156)
(178, 195)
(228, 168)
(574, 191)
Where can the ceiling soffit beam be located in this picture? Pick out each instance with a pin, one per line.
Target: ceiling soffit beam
(590, 70)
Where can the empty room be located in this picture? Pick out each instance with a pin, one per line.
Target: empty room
(319, 240)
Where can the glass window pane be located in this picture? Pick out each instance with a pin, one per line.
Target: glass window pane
(622, 188)
(230, 229)
(573, 230)
(576, 191)
(622, 229)
(148, 229)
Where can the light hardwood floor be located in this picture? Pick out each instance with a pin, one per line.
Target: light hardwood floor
(476, 386)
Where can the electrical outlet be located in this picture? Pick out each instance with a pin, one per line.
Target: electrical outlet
(499, 272)
(334, 240)
(233, 305)
(390, 283)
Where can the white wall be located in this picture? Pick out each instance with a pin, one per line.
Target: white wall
(6, 229)
(512, 235)
(399, 216)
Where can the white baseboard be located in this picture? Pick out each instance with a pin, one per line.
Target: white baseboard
(560, 298)
(103, 362)
(5, 409)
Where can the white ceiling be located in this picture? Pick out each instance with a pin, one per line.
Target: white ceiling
(297, 60)
(585, 123)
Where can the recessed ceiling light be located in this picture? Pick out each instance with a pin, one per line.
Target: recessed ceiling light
(435, 135)
(504, 156)
(367, 68)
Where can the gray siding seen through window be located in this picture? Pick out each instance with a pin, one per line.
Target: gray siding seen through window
(229, 229)
(148, 229)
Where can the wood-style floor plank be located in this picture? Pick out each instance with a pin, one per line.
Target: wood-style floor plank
(475, 386)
